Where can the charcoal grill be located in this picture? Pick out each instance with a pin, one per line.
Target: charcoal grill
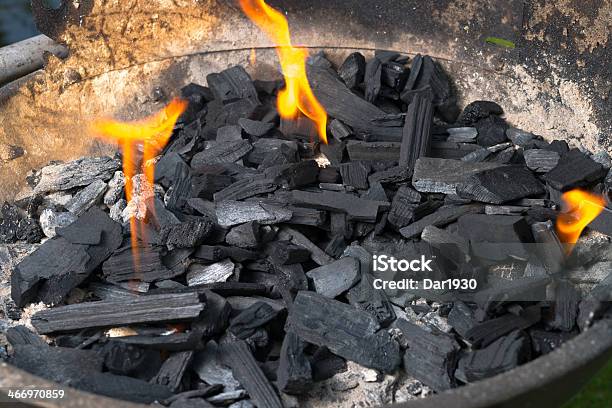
(128, 62)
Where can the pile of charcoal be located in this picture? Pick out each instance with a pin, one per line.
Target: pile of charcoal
(254, 280)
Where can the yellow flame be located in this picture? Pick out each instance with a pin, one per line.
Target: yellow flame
(151, 134)
(297, 95)
(582, 208)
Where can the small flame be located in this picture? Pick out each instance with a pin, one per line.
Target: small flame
(582, 208)
(150, 134)
(253, 57)
(297, 95)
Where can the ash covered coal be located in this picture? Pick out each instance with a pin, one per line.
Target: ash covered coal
(252, 280)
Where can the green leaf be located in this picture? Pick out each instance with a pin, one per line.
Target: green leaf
(501, 42)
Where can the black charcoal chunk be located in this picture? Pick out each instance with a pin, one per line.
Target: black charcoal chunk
(22, 336)
(82, 172)
(179, 192)
(247, 235)
(344, 105)
(491, 131)
(551, 251)
(575, 169)
(501, 185)
(356, 208)
(128, 359)
(431, 357)
(222, 153)
(238, 356)
(216, 318)
(230, 133)
(142, 309)
(488, 331)
(232, 84)
(396, 174)
(416, 137)
(373, 151)
(298, 174)
(375, 302)
(249, 320)
(336, 278)
(452, 246)
(120, 267)
(441, 217)
(286, 253)
(373, 79)
(208, 367)
(425, 72)
(496, 237)
(246, 188)
(394, 75)
(172, 370)
(81, 369)
(603, 222)
(565, 306)
(544, 341)
(255, 127)
(18, 226)
(339, 130)
(403, 207)
(262, 148)
(500, 356)
(352, 70)
(433, 175)
(346, 331)
(187, 234)
(206, 185)
(519, 137)
(355, 174)
(86, 198)
(479, 110)
(294, 374)
(296, 237)
(462, 134)
(45, 276)
(595, 304)
(540, 160)
(461, 318)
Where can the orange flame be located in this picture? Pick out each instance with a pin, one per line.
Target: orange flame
(582, 208)
(151, 134)
(297, 95)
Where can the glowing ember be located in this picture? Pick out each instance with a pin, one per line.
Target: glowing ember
(148, 135)
(582, 208)
(297, 95)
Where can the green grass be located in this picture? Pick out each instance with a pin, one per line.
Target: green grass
(500, 42)
(596, 394)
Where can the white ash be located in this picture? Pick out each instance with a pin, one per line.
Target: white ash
(142, 191)
(87, 197)
(350, 389)
(50, 220)
(116, 211)
(60, 198)
(218, 272)
(115, 189)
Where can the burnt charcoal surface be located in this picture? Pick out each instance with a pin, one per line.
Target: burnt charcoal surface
(430, 357)
(249, 277)
(343, 330)
(144, 309)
